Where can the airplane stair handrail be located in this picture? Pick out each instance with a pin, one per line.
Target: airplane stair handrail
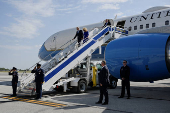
(29, 76)
(74, 58)
(52, 53)
(46, 57)
(67, 53)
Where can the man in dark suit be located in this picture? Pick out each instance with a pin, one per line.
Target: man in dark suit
(107, 23)
(79, 35)
(39, 79)
(125, 74)
(103, 82)
(14, 74)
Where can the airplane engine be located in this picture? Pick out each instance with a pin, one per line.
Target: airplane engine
(148, 56)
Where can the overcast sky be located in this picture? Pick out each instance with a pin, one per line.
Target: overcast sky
(26, 24)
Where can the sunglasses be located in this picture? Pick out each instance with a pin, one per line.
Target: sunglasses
(124, 62)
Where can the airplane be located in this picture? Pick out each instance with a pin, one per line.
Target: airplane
(55, 43)
(146, 48)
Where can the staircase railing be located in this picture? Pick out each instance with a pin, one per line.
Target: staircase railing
(30, 77)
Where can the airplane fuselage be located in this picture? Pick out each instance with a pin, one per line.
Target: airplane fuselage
(153, 21)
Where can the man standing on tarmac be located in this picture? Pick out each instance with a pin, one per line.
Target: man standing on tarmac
(79, 35)
(39, 79)
(124, 74)
(103, 82)
(14, 74)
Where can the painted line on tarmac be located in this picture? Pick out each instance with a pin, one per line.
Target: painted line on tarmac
(138, 97)
(52, 104)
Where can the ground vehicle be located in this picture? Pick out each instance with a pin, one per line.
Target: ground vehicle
(82, 76)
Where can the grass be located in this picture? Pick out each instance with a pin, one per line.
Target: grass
(18, 71)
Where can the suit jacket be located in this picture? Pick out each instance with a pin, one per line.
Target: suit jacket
(14, 77)
(104, 76)
(107, 24)
(39, 75)
(79, 35)
(125, 72)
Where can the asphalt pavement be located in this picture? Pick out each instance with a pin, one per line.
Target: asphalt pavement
(146, 98)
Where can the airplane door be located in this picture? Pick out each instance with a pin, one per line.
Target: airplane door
(53, 44)
(50, 44)
(111, 21)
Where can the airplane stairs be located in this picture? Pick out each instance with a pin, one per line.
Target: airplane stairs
(65, 60)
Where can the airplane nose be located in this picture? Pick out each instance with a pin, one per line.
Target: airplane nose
(43, 53)
(46, 55)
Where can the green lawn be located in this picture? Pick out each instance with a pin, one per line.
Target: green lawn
(18, 71)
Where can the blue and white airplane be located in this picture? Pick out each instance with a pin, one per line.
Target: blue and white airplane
(146, 48)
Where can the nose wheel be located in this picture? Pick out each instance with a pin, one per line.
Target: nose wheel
(113, 84)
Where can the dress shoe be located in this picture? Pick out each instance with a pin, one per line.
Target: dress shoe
(105, 103)
(13, 95)
(120, 97)
(36, 98)
(98, 102)
(128, 97)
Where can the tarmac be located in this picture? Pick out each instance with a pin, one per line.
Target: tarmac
(146, 98)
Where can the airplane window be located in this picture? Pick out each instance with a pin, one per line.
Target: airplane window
(167, 22)
(147, 25)
(153, 24)
(135, 27)
(130, 28)
(141, 26)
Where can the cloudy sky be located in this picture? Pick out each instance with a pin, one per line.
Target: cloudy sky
(26, 24)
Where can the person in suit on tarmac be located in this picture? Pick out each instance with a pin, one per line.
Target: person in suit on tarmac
(79, 35)
(103, 82)
(125, 74)
(14, 74)
(39, 79)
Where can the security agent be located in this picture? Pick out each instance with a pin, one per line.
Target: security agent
(79, 35)
(14, 74)
(124, 74)
(103, 82)
(39, 79)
